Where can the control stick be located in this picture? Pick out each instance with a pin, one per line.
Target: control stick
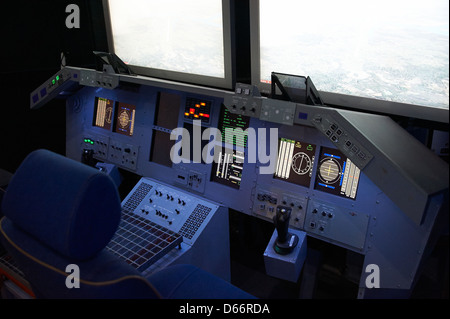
(285, 241)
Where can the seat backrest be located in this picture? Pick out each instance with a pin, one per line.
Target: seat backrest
(60, 212)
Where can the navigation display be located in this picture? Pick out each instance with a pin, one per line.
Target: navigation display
(336, 174)
(295, 161)
(229, 167)
(124, 119)
(103, 113)
(238, 123)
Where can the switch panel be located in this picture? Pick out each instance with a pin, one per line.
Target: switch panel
(171, 208)
(328, 220)
(338, 135)
(123, 154)
(98, 143)
(266, 202)
(246, 100)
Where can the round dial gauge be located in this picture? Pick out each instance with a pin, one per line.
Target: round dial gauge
(329, 170)
(124, 119)
(301, 163)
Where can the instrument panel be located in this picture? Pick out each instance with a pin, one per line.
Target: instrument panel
(135, 131)
(345, 181)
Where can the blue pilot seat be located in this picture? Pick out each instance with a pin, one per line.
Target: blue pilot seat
(59, 212)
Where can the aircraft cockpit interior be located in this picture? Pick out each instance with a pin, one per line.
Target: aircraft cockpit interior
(321, 173)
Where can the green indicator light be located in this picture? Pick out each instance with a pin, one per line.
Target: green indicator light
(53, 81)
(57, 78)
(92, 142)
(85, 140)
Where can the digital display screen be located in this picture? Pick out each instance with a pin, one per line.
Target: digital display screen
(232, 121)
(295, 161)
(336, 174)
(124, 119)
(103, 113)
(228, 168)
(197, 109)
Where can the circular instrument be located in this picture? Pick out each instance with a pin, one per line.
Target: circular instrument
(124, 119)
(329, 170)
(301, 163)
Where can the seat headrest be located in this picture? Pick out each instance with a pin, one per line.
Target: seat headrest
(69, 206)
